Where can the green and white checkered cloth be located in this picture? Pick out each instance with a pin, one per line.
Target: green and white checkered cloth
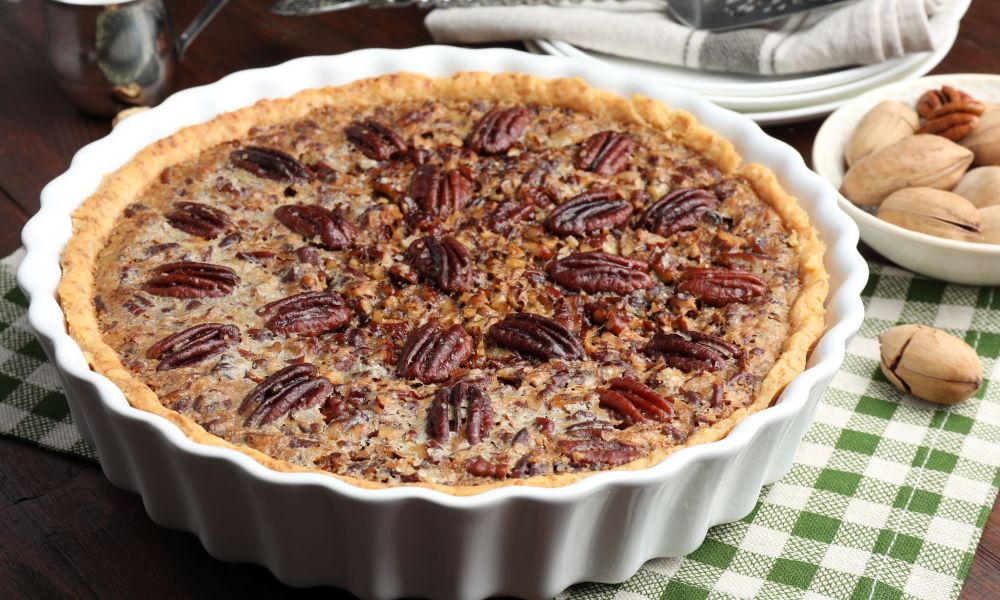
(887, 497)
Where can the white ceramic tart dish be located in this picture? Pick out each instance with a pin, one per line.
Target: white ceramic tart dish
(312, 529)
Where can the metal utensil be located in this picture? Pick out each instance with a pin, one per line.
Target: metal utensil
(700, 14)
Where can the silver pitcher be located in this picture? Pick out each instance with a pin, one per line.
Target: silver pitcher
(107, 55)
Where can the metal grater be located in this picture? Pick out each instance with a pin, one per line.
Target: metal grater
(700, 14)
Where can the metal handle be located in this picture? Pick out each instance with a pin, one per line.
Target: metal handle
(197, 24)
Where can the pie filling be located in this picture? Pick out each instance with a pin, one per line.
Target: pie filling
(451, 292)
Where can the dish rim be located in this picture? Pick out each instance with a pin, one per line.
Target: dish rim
(45, 234)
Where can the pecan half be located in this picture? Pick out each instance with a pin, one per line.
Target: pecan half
(934, 103)
(593, 443)
(438, 193)
(296, 387)
(462, 407)
(677, 210)
(197, 219)
(600, 272)
(954, 126)
(376, 140)
(444, 262)
(192, 345)
(508, 215)
(535, 335)
(269, 163)
(589, 212)
(312, 220)
(634, 402)
(310, 313)
(604, 153)
(191, 280)
(431, 352)
(719, 287)
(498, 130)
(693, 351)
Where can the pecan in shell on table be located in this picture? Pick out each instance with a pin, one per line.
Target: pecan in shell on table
(498, 130)
(187, 279)
(200, 220)
(588, 213)
(600, 272)
(463, 408)
(693, 351)
(432, 352)
(444, 262)
(677, 210)
(719, 287)
(334, 231)
(604, 153)
(295, 387)
(376, 140)
(535, 335)
(309, 313)
(269, 163)
(192, 345)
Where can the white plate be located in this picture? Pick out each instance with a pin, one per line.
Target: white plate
(950, 260)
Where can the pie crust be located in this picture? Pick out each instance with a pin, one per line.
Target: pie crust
(95, 221)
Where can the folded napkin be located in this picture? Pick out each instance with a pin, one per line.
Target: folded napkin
(864, 32)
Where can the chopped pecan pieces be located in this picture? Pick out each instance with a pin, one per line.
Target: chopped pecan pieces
(588, 213)
(444, 262)
(311, 313)
(535, 335)
(719, 287)
(431, 352)
(498, 130)
(604, 153)
(438, 193)
(376, 140)
(269, 163)
(296, 387)
(200, 220)
(191, 280)
(192, 345)
(312, 220)
(600, 272)
(693, 350)
(634, 402)
(678, 210)
(462, 408)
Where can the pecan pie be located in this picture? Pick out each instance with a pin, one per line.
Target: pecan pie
(457, 283)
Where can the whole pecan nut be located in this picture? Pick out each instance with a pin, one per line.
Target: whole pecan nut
(295, 387)
(444, 262)
(188, 279)
(376, 140)
(198, 219)
(498, 130)
(588, 213)
(600, 272)
(438, 193)
(269, 163)
(693, 351)
(604, 153)
(635, 402)
(462, 407)
(535, 335)
(309, 313)
(192, 345)
(312, 220)
(431, 352)
(719, 287)
(677, 210)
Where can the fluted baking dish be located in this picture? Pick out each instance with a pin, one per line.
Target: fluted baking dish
(309, 529)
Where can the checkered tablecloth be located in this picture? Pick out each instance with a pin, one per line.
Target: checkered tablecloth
(887, 497)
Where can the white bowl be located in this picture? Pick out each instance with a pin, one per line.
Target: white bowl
(309, 529)
(950, 260)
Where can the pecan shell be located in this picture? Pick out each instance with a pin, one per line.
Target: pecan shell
(438, 193)
(677, 210)
(634, 402)
(462, 407)
(376, 140)
(600, 272)
(269, 163)
(588, 213)
(310, 313)
(191, 280)
(719, 287)
(312, 220)
(498, 130)
(604, 153)
(296, 387)
(192, 345)
(444, 262)
(199, 220)
(431, 352)
(693, 351)
(535, 335)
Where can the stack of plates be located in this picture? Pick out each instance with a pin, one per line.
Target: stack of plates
(774, 100)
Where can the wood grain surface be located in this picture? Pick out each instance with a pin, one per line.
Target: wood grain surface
(65, 532)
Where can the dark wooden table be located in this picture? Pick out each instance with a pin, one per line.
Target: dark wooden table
(64, 530)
